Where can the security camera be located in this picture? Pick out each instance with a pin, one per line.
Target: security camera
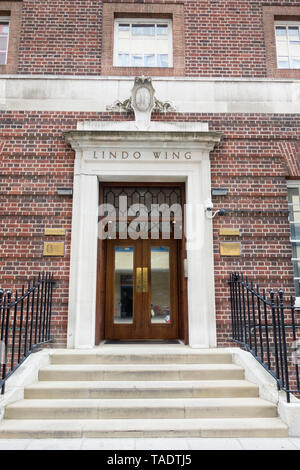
(208, 205)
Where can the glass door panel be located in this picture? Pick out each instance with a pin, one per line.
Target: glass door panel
(123, 284)
(141, 289)
(160, 309)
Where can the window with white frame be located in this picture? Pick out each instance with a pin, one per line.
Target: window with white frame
(143, 43)
(4, 35)
(294, 216)
(288, 44)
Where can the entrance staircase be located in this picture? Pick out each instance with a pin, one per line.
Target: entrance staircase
(139, 392)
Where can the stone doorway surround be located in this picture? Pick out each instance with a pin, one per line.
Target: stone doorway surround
(117, 151)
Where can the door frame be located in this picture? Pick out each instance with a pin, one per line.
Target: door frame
(101, 301)
(93, 142)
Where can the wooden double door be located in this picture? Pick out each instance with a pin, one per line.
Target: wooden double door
(141, 289)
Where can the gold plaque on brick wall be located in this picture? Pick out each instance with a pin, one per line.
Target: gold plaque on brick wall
(232, 232)
(54, 249)
(230, 249)
(54, 231)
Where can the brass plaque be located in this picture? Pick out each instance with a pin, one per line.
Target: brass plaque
(233, 232)
(54, 248)
(230, 249)
(54, 231)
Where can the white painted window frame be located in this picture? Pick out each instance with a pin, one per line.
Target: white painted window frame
(286, 24)
(290, 185)
(6, 19)
(143, 21)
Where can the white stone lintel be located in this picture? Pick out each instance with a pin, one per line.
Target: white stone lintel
(124, 135)
(155, 126)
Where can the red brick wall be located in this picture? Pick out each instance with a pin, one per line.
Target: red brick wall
(61, 37)
(222, 39)
(35, 160)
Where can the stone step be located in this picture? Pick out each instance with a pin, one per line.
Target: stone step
(213, 428)
(130, 391)
(142, 389)
(141, 372)
(173, 408)
(141, 358)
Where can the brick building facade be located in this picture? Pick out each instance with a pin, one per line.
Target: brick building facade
(60, 71)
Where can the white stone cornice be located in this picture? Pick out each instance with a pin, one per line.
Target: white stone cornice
(114, 141)
(90, 138)
(189, 95)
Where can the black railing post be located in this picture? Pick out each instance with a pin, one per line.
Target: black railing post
(231, 285)
(272, 298)
(7, 307)
(2, 299)
(254, 317)
(14, 333)
(37, 309)
(236, 301)
(285, 355)
(27, 319)
(295, 343)
(244, 310)
(281, 369)
(2, 319)
(236, 307)
(41, 307)
(21, 324)
(45, 307)
(266, 328)
(50, 306)
(32, 314)
(242, 329)
(259, 324)
(249, 315)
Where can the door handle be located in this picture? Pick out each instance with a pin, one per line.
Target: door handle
(145, 280)
(142, 280)
(139, 280)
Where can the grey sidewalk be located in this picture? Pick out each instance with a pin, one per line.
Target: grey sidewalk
(152, 444)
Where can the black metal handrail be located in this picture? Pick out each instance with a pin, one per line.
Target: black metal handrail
(25, 323)
(267, 327)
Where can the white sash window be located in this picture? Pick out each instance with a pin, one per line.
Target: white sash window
(288, 44)
(143, 43)
(4, 35)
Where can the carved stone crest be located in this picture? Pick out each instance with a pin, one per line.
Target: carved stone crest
(142, 102)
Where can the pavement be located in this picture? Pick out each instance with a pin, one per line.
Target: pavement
(184, 444)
